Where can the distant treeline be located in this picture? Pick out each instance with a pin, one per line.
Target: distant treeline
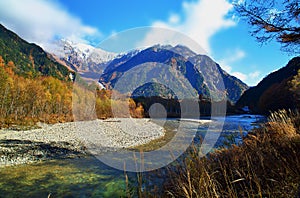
(178, 108)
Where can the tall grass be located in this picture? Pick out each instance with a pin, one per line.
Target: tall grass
(267, 164)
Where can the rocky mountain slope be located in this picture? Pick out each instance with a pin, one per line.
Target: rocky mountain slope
(82, 56)
(85, 59)
(203, 74)
(90, 62)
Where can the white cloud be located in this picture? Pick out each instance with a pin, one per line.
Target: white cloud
(41, 21)
(231, 57)
(202, 19)
(254, 74)
(254, 78)
(236, 55)
(251, 79)
(174, 19)
(240, 76)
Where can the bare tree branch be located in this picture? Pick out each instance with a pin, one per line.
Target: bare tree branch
(270, 19)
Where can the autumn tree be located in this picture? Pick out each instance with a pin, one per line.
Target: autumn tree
(273, 19)
(1, 62)
(295, 87)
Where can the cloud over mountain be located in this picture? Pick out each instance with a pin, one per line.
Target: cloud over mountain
(41, 21)
(201, 20)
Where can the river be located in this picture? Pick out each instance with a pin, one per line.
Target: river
(89, 177)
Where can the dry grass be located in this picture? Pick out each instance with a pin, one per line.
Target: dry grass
(281, 124)
(266, 165)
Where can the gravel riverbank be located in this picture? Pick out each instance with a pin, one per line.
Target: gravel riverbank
(69, 140)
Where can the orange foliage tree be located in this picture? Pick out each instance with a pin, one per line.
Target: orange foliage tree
(23, 99)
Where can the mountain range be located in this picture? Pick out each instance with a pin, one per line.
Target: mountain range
(95, 64)
(203, 74)
(280, 89)
(168, 63)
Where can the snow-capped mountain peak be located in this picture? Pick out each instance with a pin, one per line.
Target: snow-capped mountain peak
(82, 52)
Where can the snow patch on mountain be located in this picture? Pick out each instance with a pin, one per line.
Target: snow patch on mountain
(81, 52)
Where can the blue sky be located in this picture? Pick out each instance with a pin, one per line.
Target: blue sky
(211, 23)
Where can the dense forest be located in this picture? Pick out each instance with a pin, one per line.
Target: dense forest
(47, 99)
(30, 60)
(28, 100)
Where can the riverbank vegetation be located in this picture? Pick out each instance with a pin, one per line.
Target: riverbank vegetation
(267, 164)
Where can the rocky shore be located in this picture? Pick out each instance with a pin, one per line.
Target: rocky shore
(73, 139)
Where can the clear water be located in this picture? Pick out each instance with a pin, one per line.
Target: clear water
(237, 126)
(88, 177)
